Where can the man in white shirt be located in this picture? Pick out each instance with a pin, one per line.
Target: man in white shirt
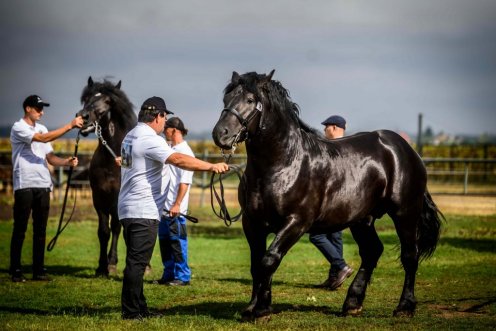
(31, 150)
(142, 197)
(172, 233)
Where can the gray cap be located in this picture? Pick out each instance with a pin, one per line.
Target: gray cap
(335, 120)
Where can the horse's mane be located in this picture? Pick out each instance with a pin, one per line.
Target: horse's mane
(119, 99)
(279, 99)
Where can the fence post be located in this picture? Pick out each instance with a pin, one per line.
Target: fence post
(465, 179)
(60, 175)
(204, 179)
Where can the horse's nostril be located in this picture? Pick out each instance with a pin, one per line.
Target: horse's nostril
(226, 131)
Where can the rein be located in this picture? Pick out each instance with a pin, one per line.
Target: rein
(61, 228)
(223, 213)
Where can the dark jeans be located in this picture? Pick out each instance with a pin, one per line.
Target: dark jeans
(26, 200)
(331, 245)
(140, 235)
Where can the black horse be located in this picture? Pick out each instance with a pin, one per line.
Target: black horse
(296, 181)
(107, 112)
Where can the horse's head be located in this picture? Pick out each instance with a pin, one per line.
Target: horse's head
(96, 104)
(243, 108)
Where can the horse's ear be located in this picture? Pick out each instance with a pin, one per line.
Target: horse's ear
(235, 77)
(269, 77)
(118, 86)
(90, 81)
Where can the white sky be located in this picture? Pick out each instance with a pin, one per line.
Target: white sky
(377, 63)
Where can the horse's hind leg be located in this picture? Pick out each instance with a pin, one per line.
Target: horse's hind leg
(406, 227)
(115, 227)
(370, 249)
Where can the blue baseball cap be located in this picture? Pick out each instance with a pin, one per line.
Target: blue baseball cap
(335, 120)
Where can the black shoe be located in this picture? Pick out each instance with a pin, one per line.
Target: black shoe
(162, 281)
(151, 314)
(42, 277)
(18, 277)
(339, 278)
(177, 282)
(136, 317)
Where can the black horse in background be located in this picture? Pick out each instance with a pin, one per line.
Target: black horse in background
(107, 112)
(296, 181)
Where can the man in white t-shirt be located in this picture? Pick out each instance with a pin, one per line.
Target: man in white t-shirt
(31, 150)
(172, 234)
(142, 197)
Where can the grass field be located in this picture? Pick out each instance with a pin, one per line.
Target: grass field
(456, 289)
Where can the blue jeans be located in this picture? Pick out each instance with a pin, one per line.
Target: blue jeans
(173, 241)
(331, 245)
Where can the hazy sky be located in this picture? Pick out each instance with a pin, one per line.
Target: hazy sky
(377, 63)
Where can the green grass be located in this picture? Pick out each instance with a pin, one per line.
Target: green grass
(456, 289)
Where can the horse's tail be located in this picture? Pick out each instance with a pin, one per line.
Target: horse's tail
(430, 227)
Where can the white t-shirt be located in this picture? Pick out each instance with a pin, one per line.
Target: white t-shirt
(29, 163)
(142, 193)
(177, 176)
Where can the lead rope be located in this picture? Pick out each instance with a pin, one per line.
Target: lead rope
(61, 228)
(98, 133)
(223, 212)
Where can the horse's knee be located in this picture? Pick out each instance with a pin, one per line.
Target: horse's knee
(271, 261)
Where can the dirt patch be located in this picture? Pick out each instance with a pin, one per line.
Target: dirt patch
(466, 205)
(462, 309)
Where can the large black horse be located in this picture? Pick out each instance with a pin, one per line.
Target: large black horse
(107, 112)
(296, 181)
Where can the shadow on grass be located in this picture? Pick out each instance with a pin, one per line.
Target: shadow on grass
(216, 232)
(216, 310)
(479, 245)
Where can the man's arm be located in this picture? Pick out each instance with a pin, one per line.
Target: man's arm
(52, 135)
(60, 162)
(187, 162)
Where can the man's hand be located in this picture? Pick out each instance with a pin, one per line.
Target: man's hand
(219, 168)
(72, 161)
(77, 122)
(118, 161)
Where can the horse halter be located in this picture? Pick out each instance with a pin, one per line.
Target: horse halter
(243, 121)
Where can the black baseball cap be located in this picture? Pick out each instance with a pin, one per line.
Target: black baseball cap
(156, 103)
(35, 102)
(335, 120)
(176, 123)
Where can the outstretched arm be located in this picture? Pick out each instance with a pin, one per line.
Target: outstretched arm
(54, 134)
(187, 162)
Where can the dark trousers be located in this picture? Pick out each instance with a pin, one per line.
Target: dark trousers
(26, 200)
(140, 236)
(331, 245)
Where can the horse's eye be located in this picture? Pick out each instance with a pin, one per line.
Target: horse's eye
(250, 101)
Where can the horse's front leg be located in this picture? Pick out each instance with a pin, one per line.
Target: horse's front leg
(257, 240)
(262, 272)
(103, 237)
(115, 227)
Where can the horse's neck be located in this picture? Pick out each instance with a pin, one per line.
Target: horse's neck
(276, 141)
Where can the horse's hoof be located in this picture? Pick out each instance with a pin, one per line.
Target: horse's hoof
(112, 269)
(403, 313)
(353, 311)
(101, 273)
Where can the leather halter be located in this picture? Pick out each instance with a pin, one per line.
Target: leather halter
(243, 121)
